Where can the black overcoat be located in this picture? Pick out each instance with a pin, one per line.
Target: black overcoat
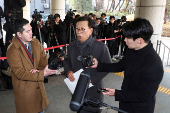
(100, 52)
(143, 72)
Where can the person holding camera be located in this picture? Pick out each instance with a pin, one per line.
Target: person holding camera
(84, 46)
(28, 64)
(142, 66)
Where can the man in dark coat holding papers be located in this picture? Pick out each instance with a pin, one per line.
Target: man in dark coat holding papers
(83, 46)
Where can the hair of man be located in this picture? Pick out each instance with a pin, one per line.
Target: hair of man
(88, 19)
(139, 28)
(18, 25)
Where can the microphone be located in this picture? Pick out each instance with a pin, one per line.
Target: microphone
(80, 91)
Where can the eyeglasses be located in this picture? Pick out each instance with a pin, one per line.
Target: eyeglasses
(81, 30)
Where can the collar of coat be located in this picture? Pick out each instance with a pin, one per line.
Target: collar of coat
(89, 44)
(18, 44)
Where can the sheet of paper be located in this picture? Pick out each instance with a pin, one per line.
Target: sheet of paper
(72, 85)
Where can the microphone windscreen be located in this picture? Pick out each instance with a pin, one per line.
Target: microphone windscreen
(80, 91)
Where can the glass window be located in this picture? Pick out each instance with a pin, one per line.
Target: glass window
(43, 1)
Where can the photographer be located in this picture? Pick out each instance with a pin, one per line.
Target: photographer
(84, 46)
(33, 25)
(103, 24)
(60, 30)
(40, 32)
(8, 27)
(70, 22)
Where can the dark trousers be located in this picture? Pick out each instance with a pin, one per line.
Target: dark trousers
(112, 47)
(2, 47)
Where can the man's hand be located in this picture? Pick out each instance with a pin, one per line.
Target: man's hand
(48, 71)
(95, 63)
(34, 70)
(70, 76)
(109, 92)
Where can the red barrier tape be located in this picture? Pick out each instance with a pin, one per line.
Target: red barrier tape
(1, 58)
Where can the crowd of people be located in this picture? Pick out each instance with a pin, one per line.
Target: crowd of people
(143, 70)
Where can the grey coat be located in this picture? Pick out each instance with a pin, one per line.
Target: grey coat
(100, 52)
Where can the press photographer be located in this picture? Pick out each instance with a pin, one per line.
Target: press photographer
(59, 30)
(70, 25)
(8, 27)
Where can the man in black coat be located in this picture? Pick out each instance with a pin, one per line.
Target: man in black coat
(16, 5)
(143, 70)
(83, 46)
(111, 30)
(60, 30)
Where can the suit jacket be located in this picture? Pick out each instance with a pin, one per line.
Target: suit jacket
(29, 90)
(143, 72)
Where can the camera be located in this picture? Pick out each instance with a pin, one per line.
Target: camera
(37, 14)
(69, 15)
(54, 64)
(87, 61)
(51, 20)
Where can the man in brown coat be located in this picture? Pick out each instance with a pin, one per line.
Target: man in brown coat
(28, 62)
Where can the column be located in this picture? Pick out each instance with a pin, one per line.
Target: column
(58, 6)
(26, 11)
(152, 10)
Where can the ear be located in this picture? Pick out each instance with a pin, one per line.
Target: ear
(19, 34)
(140, 40)
(91, 31)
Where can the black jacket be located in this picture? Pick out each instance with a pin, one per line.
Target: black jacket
(143, 72)
(60, 31)
(110, 30)
(100, 52)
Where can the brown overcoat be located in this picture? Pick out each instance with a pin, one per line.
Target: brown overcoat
(29, 90)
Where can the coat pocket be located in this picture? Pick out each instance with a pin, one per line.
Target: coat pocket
(22, 87)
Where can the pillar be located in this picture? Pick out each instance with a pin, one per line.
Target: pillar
(26, 11)
(152, 10)
(58, 6)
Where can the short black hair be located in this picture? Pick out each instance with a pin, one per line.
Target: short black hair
(138, 28)
(56, 15)
(112, 17)
(18, 25)
(77, 16)
(123, 18)
(103, 14)
(88, 19)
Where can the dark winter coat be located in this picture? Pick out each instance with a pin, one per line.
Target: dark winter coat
(110, 30)
(60, 31)
(100, 52)
(143, 72)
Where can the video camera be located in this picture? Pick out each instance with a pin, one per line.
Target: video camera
(51, 20)
(87, 61)
(37, 14)
(15, 13)
(69, 15)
